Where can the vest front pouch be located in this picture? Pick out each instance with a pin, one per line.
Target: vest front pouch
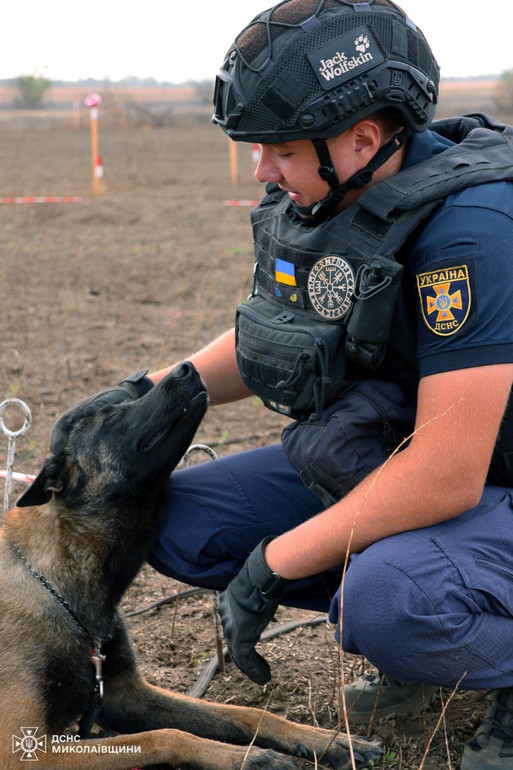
(295, 365)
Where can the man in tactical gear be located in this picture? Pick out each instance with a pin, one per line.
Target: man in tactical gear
(380, 321)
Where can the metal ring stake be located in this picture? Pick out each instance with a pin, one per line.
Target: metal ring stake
(12, 435)
(197, 448)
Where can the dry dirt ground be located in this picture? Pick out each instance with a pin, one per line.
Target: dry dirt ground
(139, 276)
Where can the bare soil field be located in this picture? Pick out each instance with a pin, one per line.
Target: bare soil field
(140, 276)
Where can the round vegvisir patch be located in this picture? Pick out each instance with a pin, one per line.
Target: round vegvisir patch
(331, 286)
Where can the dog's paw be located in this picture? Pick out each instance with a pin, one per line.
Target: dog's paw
(334, 752)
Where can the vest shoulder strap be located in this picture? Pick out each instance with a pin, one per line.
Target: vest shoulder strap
(485, 155)
(389, 211)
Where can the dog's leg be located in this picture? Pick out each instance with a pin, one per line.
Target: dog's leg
(328, 747)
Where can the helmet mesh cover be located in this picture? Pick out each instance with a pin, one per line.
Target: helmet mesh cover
(275, 78)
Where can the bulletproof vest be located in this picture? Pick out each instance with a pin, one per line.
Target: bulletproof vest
(327, 308)
(327, 298)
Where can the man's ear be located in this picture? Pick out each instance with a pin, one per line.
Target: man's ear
(368, 137)
(40, 491)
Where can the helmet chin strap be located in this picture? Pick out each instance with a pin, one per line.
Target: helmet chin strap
(325, 208)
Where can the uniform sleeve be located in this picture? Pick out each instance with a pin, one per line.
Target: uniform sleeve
(462, 275)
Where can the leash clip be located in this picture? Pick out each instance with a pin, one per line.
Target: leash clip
(97, 660)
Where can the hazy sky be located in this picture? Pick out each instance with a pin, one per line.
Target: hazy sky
(177, 40)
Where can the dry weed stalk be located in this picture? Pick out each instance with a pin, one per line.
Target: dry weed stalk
(441, 719)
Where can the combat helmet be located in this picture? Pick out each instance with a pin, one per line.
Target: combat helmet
(310, 69)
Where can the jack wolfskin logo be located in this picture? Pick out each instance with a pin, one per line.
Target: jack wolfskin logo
(362, 43)
(445, 299)
(345, 57)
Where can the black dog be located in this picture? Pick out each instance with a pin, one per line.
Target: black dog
(65, 655)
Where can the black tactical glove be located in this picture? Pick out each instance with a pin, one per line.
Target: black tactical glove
(246, 607)
(130, 389)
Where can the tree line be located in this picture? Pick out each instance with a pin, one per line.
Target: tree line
(32, 89)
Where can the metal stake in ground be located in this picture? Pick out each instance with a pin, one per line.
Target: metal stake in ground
(11, 445)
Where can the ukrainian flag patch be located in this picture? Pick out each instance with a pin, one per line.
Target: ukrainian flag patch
(445, 299)
(285, 272)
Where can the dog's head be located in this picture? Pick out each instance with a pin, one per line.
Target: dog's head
(127, 450)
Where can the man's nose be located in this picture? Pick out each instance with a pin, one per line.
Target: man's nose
(267, 169)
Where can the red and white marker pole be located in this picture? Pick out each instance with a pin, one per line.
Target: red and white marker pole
(93, 101)
(99, 167)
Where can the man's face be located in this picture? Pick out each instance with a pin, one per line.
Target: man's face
(293, 166)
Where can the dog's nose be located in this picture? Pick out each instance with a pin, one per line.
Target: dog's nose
(188, 376)
(184, 369)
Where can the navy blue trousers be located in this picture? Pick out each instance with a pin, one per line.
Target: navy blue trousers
(432, 605)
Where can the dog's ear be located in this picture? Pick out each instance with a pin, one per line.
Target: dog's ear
(40, 491)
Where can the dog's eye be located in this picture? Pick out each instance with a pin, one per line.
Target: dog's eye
(109, 413)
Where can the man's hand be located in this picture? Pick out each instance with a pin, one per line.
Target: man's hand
(130, 389)
(246, 607)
